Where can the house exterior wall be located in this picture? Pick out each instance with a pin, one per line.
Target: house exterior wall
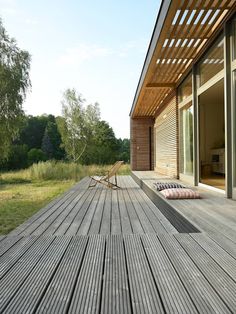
(141, 135)
(166, 140)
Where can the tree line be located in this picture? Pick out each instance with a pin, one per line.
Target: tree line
(47, 137)
(78, 135)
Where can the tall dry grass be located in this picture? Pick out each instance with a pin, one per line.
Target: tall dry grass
(58, 170)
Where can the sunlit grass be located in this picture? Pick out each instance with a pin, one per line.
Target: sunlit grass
(20, 201)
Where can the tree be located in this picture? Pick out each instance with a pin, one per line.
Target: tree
(124, 149)
(32, 130)
(51, 142)
(106, 147)
(14, 82)
(47, 146)
(77, 126)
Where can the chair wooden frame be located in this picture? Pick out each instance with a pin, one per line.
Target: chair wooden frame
(106, 179)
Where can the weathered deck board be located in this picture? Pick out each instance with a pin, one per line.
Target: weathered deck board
(88, 217)
(215, 275)
(7, 243)
(58, 294)
(13, 279)
(205, 298)
(1, 238)
(106, 218)
(134, 220)
(98, 215)
(115, 274)
(115, 293)
(31, 291)
(172, 291)
(14, 253)
(228, 245)
(144, 295)
(213, 213)
(226, 261)
(54, 204)
(86, 298)
(126, 226)
(115, 214)
(81, 212)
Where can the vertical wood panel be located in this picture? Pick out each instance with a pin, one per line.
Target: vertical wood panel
(140, 143)
(166, 140)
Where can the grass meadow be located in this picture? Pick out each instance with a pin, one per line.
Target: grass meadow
(24, 192)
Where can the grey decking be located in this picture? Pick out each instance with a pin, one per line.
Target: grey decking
(118, 274)
(99, 210)
(212, 214)
(102, 251)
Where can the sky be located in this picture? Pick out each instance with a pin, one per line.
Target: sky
(97, 47)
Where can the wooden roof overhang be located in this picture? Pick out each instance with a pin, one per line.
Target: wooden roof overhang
(183, 30)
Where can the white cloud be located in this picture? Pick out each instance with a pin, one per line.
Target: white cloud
(30, 21)
(77, 55)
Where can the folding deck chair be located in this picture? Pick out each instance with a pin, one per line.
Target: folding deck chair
(106, 180)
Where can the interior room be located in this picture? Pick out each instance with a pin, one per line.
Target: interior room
(212, 136)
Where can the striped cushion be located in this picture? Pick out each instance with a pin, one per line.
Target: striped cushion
(167, 185)
(180, 193)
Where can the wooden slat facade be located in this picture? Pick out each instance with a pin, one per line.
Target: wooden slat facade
(166, 140)
(142, 145)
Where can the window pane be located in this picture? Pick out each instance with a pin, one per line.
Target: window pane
(213, 62)
(186, 139)
(185, 89)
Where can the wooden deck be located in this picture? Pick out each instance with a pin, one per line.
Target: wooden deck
(102, 251)
(213, 213)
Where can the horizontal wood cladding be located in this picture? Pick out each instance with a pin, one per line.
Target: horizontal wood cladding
(166, 140)
(141, 135)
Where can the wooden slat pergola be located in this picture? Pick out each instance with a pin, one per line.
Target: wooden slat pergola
(184, 29)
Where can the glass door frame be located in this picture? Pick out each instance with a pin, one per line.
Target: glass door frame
(197, 91)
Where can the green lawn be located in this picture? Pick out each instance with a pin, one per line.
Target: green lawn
(21, 200)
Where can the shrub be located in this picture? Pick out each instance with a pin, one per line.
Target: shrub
(35, 155)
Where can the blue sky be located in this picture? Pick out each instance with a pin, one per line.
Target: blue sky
(97, 47)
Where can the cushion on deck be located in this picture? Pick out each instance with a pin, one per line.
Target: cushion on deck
(167, 185)
(180, 193)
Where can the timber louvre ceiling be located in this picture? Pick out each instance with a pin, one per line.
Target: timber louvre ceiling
(188, 26)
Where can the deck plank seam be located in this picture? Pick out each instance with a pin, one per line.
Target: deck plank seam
(50, 214)
(68, 213)
(97, 191)
(176, 270)
(62, 208)
(217, 262)
(153, 277)
(49, 206)
(50, 279)
(205, 275)
(52, 239)
(77, 275)
(95, 210)
(135, 210)
(86, 196)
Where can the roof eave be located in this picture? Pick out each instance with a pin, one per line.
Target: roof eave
(163, 11)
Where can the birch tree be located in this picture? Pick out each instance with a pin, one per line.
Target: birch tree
(14, 83)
